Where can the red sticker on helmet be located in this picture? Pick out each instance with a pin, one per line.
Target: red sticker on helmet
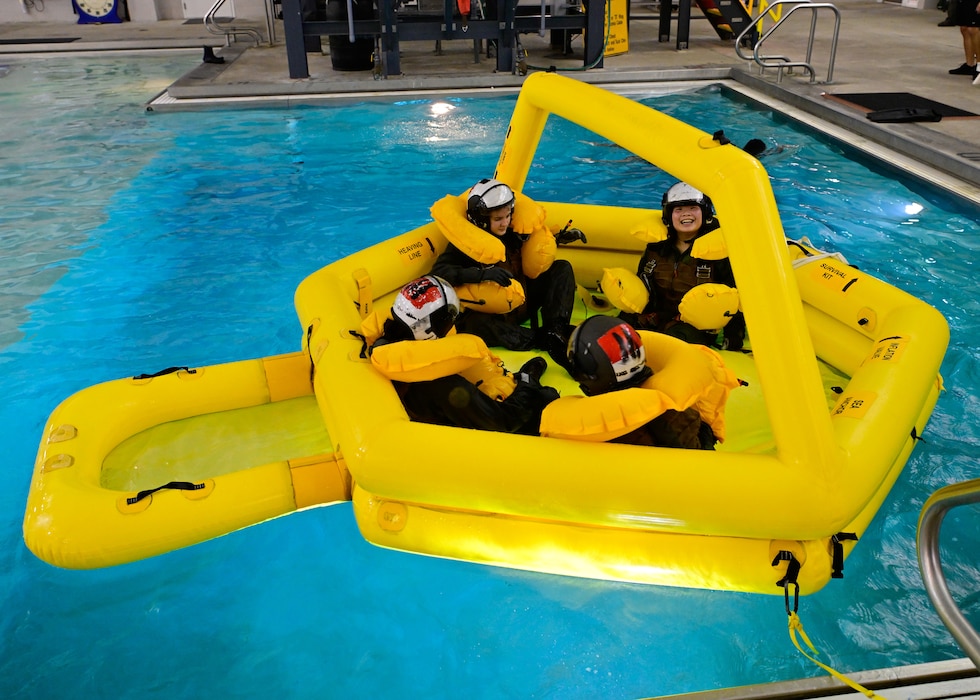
(624, 349)
(422, 292)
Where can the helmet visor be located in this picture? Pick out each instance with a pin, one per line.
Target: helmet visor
(493, 194)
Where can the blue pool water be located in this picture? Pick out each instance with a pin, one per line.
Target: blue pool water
(131, 242)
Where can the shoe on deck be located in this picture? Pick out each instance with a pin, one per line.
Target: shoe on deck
(964, 70)
(948, 22)
(533, 369)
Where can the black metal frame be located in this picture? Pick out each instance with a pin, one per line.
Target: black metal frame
(303, 31)
(683, 22)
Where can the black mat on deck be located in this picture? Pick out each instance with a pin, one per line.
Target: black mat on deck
(878, 101)
(42, 40)
(200, 20)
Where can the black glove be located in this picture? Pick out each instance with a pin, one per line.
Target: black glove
(498, 275)
(469, 275)
(570, 235)
(734, 334)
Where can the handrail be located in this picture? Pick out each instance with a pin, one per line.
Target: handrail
(930, 564)
(229, 30)
(784, 61)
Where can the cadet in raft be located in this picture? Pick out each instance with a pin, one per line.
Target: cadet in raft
(453, 379)
(641, 388)
(501, 258)
(669, 270)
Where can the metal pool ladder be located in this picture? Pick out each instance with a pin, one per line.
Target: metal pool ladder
(930, 564)
(229, 30)
(779, 62)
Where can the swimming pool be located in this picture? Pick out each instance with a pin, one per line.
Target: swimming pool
(133, 242)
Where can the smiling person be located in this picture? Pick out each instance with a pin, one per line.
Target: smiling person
(669, 272)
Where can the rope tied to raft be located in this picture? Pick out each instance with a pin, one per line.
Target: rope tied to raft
(795, 625)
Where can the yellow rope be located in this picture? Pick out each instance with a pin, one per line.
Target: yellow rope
(796, 626)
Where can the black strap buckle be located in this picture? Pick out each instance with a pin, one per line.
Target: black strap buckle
(790, 579)
(838, 564)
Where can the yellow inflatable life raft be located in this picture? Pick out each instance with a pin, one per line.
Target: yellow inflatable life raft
(843, 375)
(841, 381)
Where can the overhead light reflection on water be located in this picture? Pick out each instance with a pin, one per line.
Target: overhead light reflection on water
(913, 208)
(439, 108)
(438, 112)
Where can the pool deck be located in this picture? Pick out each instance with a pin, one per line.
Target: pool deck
(882, 47)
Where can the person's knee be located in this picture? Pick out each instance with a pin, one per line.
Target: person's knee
(563, 268)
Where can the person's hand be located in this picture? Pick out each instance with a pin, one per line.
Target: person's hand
(570, 235)
(498, 275)
(732, 340)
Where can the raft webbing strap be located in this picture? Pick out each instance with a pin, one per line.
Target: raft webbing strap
(837, 570)
(178, 485)
(363, 302)
(364, 347)
(309, 351)
(169, 370)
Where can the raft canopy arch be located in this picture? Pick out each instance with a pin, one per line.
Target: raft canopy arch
(739, 186)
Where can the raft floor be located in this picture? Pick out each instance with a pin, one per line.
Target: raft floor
(213, 444)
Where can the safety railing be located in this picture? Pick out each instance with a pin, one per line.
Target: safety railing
(780, 62)
(930, 563)
(229, 30)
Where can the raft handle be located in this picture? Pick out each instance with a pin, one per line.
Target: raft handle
(178, 485)
(309, 351)
(169, 370)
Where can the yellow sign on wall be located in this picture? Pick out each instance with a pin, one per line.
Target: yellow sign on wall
(617, 27)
